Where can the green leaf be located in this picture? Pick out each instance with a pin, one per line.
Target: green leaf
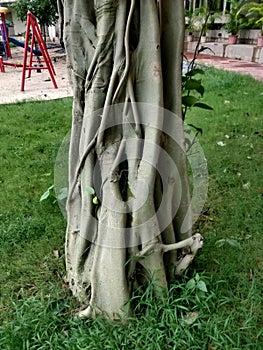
(44, 196)
(201, 286)
(194, 71)
(201, 90)
(197, 277)
(91, 191)
(220, 243)
(202, 105)
(189, 101)
(233, 243)
(191, 284)
(193, 84)
(95, 200)
(216, 261)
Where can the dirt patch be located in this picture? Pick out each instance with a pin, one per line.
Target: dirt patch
(39, 86)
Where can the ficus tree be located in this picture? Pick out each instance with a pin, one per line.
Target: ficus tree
(129, 216)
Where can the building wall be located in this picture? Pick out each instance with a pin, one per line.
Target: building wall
(19, 27)
(220, 5)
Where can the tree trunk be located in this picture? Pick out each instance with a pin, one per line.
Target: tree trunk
(60, 6)
(128, 184)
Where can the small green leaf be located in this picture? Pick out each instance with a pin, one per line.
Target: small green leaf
(193, 84)
(201, 286)
(189, 101)
(216, 261)
(201, 90)
(44, 196)
(95, 200)
(220, 243)
(191, 284)
(202, 105)
(90, 190)
(194, 71)
(233, 243)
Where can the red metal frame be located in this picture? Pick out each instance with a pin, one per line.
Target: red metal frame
(2, 67)
(33, 26)
(5, 36)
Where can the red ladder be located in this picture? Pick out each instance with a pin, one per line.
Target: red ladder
(36, 36)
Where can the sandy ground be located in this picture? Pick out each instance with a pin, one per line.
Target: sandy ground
(39, 86)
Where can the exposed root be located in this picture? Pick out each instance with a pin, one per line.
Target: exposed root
(86, 313)
(193, 244)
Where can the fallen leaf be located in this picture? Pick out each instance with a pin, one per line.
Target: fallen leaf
(191, 317)
(246, 186)
(56, 254)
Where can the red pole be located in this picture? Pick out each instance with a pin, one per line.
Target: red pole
(31, 53)
(25, 51)
(2, 67)
(5, 36)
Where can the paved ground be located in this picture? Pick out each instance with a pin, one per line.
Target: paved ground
(39, 86)
(243, 67)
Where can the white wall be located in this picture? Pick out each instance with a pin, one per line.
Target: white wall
(19, 27)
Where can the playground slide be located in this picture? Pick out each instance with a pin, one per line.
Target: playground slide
(19, 43)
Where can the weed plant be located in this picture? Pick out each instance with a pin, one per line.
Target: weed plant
(218, 302)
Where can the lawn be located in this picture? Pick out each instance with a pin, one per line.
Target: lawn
(37, 311)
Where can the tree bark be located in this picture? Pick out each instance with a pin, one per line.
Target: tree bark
(126, 54)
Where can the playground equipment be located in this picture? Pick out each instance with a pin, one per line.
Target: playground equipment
(4, 42)
(36, 36)
(33, 30)
(19, 43)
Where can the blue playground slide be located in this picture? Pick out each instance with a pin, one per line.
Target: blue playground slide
(19, 43)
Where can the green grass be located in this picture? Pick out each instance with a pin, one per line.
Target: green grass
(37, 312)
